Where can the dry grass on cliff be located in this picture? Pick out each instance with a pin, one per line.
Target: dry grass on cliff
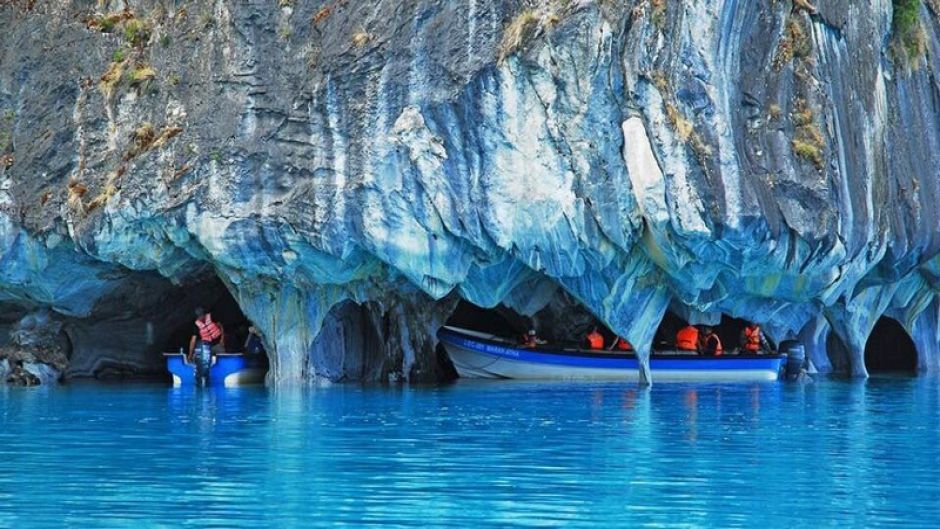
(808, 142)
(76, 190)
(522, 28)
(137, 32)
(682, 126)
(795, 44)
(146, 137)
(102, 198)
(658, 12)
(142, 73)
(361, 38)
(908, 36)
(111, 79)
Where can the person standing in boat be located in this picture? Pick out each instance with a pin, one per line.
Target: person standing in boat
(711, 343)
(595, 340)
(208, 340)
(753, 340)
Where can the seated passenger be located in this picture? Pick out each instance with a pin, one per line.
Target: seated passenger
(687, 339)
(711, 343)
(531, 340)
(752, 340)
(595, 340)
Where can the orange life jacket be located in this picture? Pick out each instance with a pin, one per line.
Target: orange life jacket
(624, 345)
(687, 339)
(712, 345)
(752, 335)
(209, 331)
(595, 340)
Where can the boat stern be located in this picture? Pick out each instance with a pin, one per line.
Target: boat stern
(183, 372)
(233, 370)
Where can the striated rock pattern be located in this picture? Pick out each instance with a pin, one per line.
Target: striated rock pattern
(351, 170)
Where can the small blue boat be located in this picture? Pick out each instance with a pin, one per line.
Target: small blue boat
(223, 370)
(480, 355)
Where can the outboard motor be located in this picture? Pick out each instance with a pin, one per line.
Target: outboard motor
(796, 357)
(203, 362)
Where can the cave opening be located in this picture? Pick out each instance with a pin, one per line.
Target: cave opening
(665, 337)
(213, 296)
(890, 349)
(498, 321)
(728, 329)
(564, 321)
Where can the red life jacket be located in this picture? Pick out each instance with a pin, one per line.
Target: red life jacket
(687, 339)
(624, 345)
(208, 330)
(595, 340)
(752, 335)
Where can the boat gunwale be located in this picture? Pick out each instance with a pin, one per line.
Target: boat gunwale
(611, 355)
(214, 354)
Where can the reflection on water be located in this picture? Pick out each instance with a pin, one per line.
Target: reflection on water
(832, 454)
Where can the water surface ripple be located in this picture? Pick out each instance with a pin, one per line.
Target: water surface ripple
(829, 454)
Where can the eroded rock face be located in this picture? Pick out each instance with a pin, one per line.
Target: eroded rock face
(37, 352)
(747, 158)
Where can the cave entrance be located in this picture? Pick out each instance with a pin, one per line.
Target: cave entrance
(727, 328)
(563, 322)
(498, 321)
(216, 299)
(890, 349)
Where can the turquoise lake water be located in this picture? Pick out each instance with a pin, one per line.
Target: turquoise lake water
(828, 454)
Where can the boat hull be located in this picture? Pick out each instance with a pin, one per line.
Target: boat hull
(475, 357)
(226, 370)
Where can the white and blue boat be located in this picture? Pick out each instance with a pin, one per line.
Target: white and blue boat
(224, 370)
(479, 355)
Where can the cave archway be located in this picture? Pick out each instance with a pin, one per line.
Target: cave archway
(890, 349)
(145, 316)
(563, 321)
(498, 321)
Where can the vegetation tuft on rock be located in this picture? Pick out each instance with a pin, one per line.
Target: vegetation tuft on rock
(908, 37)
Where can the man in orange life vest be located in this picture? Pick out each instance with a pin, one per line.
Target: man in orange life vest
(595, 340)
(208, 332)
(752, 340)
